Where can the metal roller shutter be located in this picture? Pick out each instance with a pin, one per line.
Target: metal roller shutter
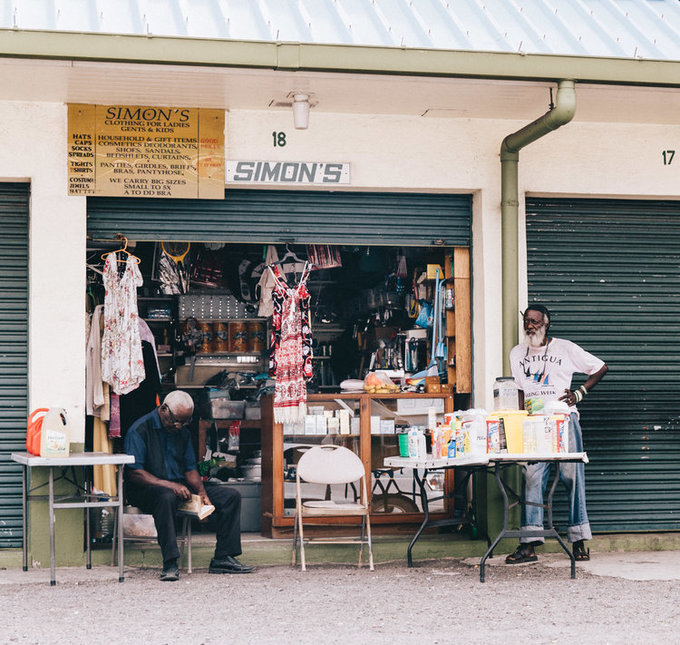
(610, 272)
(311, 217)
(13, 354)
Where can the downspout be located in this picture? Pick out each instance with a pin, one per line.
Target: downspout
(559, 115)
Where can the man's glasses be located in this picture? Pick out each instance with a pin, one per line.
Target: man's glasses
(174, 420)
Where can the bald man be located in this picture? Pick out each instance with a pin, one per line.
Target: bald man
(164, 475)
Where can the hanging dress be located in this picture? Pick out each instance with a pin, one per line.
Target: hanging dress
(122, 360)
(291, 347)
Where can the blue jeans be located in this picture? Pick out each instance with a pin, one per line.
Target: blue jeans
(572, 475)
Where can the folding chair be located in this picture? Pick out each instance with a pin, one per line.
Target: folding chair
(148, 533)
(328, 464)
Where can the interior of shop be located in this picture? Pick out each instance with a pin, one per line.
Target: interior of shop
(208, 308)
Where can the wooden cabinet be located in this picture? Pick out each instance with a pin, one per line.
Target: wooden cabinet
(369, 425)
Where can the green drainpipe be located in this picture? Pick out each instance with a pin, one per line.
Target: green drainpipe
(561, 113)
(557, 116)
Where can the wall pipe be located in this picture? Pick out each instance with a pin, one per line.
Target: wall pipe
(562, 112)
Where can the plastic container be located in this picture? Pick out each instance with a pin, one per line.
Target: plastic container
(514, 432)
(473, 429)
(55, 436)
(505, 394)
(403, 444)
(417, 447)
(533, 428)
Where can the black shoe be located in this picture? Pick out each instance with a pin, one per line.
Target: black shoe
(523, 553)
(229, 564)
(170, 573)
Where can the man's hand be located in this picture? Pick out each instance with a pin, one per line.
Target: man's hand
(205, 500)
(568, 397)
(180, 490)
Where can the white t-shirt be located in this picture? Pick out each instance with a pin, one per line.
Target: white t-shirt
(545, 372)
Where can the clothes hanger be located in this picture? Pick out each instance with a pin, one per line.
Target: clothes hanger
(122, 250)
(289, 255)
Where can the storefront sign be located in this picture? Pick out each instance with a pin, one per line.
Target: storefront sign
(287, 172)
(138, 151)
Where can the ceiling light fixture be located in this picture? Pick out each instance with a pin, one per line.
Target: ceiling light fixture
(301, 110)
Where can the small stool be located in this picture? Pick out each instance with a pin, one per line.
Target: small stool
(149, 533)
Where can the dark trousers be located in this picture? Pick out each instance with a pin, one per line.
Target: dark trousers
(162, 503)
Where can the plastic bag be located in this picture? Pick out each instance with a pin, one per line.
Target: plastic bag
(379, 383)
(424, 318)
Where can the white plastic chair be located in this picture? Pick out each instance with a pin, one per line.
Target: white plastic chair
(328, 464)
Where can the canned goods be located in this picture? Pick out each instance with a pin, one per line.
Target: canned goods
(238, 335)
(221, 337)
(207, 332)
(256, 336)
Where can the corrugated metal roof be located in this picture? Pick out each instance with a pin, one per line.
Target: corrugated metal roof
(647, 29)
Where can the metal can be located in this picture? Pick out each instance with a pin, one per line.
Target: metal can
(238, 336)
(256, 336)
(221, 337)
(208, 345)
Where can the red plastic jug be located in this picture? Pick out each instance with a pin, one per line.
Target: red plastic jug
(34, 430)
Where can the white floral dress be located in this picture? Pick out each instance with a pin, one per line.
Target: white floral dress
(122, 361)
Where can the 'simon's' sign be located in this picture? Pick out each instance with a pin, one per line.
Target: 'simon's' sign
(145, 151)
(287, 172)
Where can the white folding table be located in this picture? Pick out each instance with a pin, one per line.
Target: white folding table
(492, 464)
(82, 498)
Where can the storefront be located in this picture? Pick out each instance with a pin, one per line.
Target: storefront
(370, 254)
(419, 129)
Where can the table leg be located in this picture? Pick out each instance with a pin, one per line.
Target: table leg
(423, 498)
(88, 490)
(121, 564)
(53, 580)
(558, 537)
(24, 508)
(506, 509)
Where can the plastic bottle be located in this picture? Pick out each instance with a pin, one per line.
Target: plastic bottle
(55, 435)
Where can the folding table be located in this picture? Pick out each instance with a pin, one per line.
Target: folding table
(82, 498)
(493, 464)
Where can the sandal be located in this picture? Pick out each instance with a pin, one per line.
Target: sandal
(581, 554)
(521, 554)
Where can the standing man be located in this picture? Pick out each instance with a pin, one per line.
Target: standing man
(543, 368)
(164, 475)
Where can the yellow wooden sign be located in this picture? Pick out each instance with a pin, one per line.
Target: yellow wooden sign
(145, 151)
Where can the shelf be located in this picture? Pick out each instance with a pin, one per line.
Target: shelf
(163, 320)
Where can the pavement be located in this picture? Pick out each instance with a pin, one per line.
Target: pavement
(617, 598)
(629, 565)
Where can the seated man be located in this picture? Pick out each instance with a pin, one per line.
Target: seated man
(164, 474)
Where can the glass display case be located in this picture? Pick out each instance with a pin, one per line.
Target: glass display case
(367, 424)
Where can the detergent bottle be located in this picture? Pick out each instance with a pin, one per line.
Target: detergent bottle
(55, 434)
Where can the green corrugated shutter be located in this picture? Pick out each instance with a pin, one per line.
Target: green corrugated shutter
(311, 217)
(610, 272)
(13, 354)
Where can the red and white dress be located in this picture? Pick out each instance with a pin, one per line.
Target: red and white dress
(291, 358)
(122, 361)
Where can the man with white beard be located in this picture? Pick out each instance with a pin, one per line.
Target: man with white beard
(543, 368)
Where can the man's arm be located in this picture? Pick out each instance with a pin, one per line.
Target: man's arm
(143, 477)
(196, 484)
(594, 379)
(572, 398)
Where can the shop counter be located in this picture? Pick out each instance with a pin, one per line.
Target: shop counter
(82, 498)
(493, 464)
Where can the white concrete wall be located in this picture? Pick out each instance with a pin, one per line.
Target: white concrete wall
(33, 148)
(386, 153)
